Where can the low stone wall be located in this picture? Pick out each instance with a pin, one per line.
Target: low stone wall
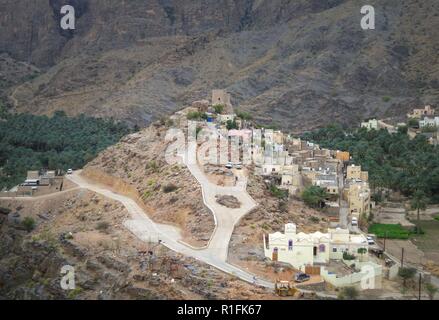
(369, 277)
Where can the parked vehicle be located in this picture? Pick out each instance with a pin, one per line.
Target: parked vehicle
(229, 165)
(70, 171)
(370, 240)
(301, 277)
(354, 222)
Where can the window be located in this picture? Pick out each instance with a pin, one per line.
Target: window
(290, 245)
(322, 248)
(334, 249)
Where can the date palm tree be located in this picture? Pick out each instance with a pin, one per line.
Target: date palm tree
(419, 202)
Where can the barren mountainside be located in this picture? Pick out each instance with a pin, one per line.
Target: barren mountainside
(302, 62)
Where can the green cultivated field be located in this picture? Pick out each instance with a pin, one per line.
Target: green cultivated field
(394, 231)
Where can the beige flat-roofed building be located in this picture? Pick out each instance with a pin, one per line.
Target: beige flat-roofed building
(427, 111)
(33, 175)
(358, 197)
(354, 172)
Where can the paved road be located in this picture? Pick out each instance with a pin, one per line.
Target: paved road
(225, 218)
(147, 230)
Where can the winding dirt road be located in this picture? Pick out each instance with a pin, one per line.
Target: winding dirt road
(215, 254)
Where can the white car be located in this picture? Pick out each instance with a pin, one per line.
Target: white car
(370, 240)
(229, 165)
(354, 222)
(70, 171)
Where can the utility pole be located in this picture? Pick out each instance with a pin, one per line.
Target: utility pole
(385, 237)
(420, 285)
(402, 257)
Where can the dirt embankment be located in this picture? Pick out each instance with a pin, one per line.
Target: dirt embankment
(85, 231)
(136, 167)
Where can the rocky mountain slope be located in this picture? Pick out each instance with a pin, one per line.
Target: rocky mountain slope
(137, 167)
(300, 63)
(84, 230)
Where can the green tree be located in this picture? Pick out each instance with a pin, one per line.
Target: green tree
(219, 108)
(406, 274)
(28, 223)
(231, 124)
(413, 123)
(418, 203)
(314, 196)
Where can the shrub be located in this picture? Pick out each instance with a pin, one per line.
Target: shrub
(413, 123)
(194, 115)
(278, 193)
(231, 124)
(406, 274)
(314, 196)
(219, 108)
(170, 188)
(152, 165)
(348, 256)
(386, 99)
(28, 223)
(74, 293)
(102, 226)
(243, 115)
(314, 219)
(283, 206)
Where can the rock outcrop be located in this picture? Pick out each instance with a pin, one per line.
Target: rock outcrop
(300, 63)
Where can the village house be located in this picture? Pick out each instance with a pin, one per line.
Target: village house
(358, 196)
(427, 111)
(302, 249)
(429, 122)
(372, 124)
(40, 182)
(343, 156)
(318, 252)
(354, 172)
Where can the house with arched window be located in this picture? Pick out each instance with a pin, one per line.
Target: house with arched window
(309, 249)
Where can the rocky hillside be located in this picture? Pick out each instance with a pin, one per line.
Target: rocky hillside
(84, 230)
(136, 166)
(302, 62)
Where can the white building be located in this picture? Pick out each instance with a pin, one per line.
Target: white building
(370, 125)
(301, 249)
(429, 122)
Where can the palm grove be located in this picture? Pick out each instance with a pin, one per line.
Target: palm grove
(393, 160)
(29, 142)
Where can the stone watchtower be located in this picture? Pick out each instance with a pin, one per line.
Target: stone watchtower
(222, 97)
